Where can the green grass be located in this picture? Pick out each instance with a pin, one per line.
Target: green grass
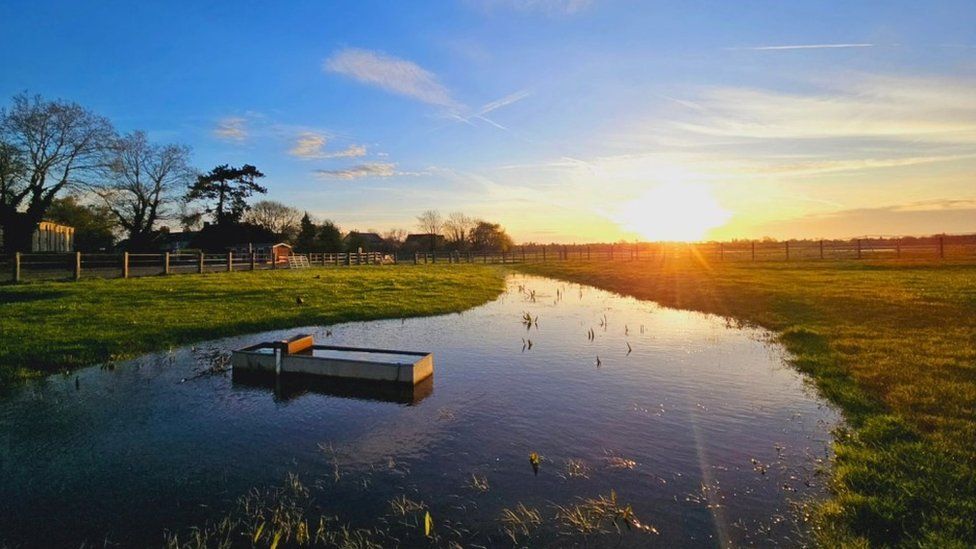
(53, 326)
(893, 345)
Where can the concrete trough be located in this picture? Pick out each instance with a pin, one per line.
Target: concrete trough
(299, 355)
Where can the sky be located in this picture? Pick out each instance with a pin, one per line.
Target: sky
(563, 120)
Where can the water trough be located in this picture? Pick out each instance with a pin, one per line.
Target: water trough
(300, 355)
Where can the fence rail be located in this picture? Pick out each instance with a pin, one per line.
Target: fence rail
(67, 266)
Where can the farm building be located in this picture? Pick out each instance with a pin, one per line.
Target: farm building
(369, 242)
(423, 242)
(264, 252)
(50, 237)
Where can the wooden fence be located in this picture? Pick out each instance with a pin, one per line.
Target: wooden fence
(61, 266)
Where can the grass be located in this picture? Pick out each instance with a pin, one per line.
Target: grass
(54, 326)
(892, 344)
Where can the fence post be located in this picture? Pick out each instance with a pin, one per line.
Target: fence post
(77, 265)
(821, 248)
(253, 262)
(587, 252)
(753, 250)
(721, 251)
(16, 266)
(523, 253)
(942, 247)
(859, 248)
(200, 263)
(230, 261)
(898, 248)
(787, 250)
(165, 263)
(125, 264)
(543, 253)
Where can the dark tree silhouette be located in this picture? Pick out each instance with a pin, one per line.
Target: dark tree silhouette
(307, 231)
(46, 147)
(228, 188)
(139, 185)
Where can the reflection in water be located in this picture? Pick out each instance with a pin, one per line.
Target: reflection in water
(291, 386)
(699, 425)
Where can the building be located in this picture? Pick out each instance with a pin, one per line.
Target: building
(423, 242)
(177, 241)
(369, 242)
(50, 237)
(263, 252)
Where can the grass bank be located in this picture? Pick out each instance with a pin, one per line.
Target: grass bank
(53, 326)
(893, 345)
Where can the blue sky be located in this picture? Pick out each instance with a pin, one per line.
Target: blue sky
(566, 120)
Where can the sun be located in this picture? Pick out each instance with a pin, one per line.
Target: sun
(673, 212)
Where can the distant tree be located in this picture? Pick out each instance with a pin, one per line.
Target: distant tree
(94, 224)
(220, 236)
(394, 238)
(307, 234)
(456, 229)
(191, 219)
(490, 237)
(430, 222)
(329, 238)
(228, 188)
(46, 147)
(276, 217)
(140, 185)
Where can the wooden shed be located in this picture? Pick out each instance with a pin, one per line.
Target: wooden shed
(264, 252)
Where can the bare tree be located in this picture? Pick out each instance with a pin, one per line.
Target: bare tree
(276, 217)
(45, 148)
(395, 237)
(142, 180)
(457, 227)
(430, 222)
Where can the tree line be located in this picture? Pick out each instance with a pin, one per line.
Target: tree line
(63, 163)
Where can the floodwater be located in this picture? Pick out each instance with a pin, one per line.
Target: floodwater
(700, 426)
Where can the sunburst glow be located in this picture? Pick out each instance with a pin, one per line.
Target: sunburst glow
(673, 212)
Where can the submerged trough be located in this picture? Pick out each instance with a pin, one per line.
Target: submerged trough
(300, 355)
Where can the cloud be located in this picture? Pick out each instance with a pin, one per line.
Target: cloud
(369, 169)
(481, 113)
(907, 109)
(918, 218)
(352, 151)
(803, 47)
(308, 145)
(311, 145)
(231, 128)
(392, 74)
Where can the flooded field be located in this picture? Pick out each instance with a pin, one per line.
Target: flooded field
(542, 403)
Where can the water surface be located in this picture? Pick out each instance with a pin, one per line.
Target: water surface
(700, 425)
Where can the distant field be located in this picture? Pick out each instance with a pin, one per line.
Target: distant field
(894, 345)
(52, 326)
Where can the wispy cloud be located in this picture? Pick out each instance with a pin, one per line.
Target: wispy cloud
(231, 128)
(392, 74)
(913, 109)
(311, 146)
(803, 47)
(369, 169)
(352, 151)
(308, 145)
(481, 113)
